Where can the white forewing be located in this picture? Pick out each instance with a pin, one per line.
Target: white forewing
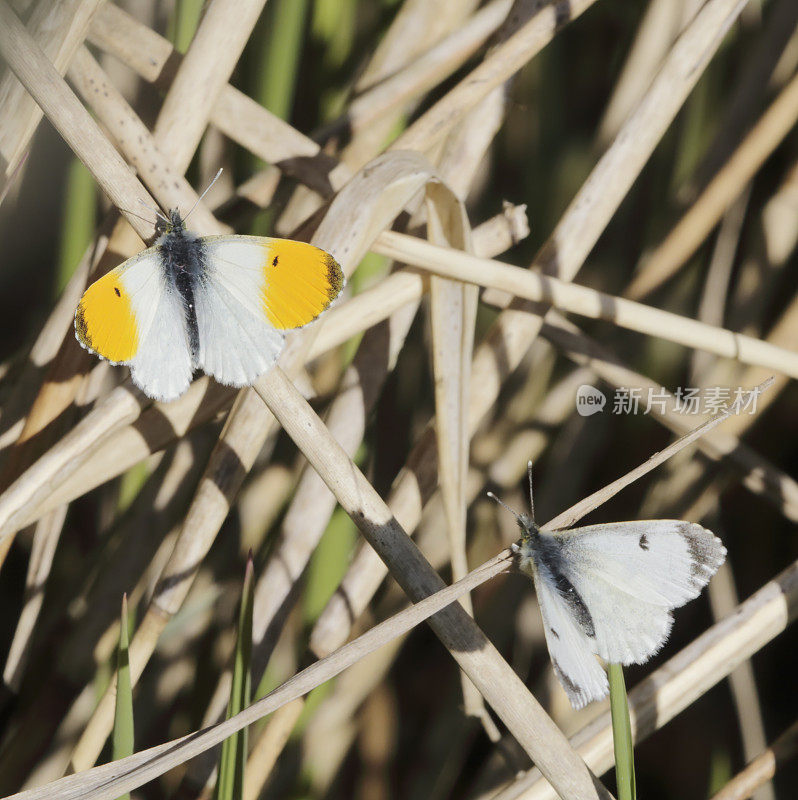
(631, 574)
(571, 651)
(663, 561)
(236, 342)
(162, 365)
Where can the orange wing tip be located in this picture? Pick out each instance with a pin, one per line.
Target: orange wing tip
(300, 283)
(105, 323)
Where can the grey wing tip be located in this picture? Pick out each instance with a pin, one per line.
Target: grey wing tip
(578, 696)
(707, 551)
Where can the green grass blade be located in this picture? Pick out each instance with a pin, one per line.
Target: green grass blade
(328, 564)
(335, 23)
(183, 23)
(79, 220)
(122, 741)
(230, 783)
(622, 735)
(277, 75)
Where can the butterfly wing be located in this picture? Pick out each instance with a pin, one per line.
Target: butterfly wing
(570, 649)
(132, 316)
(631, 574)
(252, 290)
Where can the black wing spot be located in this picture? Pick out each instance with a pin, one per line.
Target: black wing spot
(116, 290)
(554, 633)
(274, 261)
(644, 545)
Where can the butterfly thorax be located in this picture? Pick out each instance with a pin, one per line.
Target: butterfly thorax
(183, 261)
(535, 546)
(543, 551)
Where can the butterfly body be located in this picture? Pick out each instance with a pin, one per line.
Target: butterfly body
(217, 303)
(545, 550)
(183, 259)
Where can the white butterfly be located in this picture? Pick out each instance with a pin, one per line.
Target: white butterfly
(609, 589)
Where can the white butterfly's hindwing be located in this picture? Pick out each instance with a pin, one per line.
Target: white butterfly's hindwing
(132, 316)
(570, 647)
(617, 583)
(235, 344)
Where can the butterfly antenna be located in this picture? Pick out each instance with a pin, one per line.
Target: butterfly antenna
(134, 214)
(154, 211)
(207, 189)
(531, 497)
(503, 504)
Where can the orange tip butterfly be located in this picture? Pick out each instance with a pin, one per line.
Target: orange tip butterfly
(221, 304)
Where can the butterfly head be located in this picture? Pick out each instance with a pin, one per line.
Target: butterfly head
(172, 224)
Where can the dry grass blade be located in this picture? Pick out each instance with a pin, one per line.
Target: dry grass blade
(267, 748)
(588, 302)
(422, 74)
(727, 184)
(766, 68)
(416, 27)
(662, 22)
(58, 28)
(453, 309)
(762, 768)
(216, 47)
(723, 599)
(367, 309)
(47, 345)
(779, 220)
(45, 540)
(69, 117)
(134, 140)
(131, 439)
(477, 657)
(110, 780)
(535, 26)
(16, 503)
